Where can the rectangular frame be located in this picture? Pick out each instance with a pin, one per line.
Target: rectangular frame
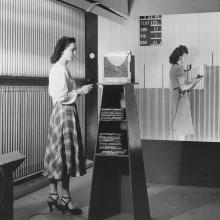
(123, 75)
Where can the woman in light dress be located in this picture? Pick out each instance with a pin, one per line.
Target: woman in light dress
(181, 119)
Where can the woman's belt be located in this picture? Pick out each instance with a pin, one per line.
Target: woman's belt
(181, 92)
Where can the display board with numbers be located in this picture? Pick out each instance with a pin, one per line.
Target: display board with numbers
(150, 30)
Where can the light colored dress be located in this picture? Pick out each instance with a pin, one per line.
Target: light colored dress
(181, 119)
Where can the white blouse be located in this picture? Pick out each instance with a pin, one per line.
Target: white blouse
(61, 87)
(177, 78)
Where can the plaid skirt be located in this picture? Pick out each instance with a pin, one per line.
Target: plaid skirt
(64, 152)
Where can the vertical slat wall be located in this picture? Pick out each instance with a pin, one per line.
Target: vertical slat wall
(201, 34)
(29, 30)
(205, 105)
(24, 123)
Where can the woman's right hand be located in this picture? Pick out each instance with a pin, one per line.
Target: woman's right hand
(85, 89)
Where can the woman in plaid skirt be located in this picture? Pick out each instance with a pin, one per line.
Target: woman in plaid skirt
(64, 155)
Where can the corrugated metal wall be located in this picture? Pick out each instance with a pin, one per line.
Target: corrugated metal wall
(24, 123)
(201, 34)
(29, 30)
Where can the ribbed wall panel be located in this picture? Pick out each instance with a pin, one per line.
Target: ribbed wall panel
(201, 34)
(24, 117)
(29, 31)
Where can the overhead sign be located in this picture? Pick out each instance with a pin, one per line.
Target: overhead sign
(150, 30)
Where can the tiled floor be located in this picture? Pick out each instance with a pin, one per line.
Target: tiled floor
(166, 203)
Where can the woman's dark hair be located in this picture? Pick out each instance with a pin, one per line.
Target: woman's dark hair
(61, 45)
(183, 49)
(178, 51)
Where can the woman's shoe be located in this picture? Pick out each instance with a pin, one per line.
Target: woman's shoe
(52, 201)
(64, 207)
